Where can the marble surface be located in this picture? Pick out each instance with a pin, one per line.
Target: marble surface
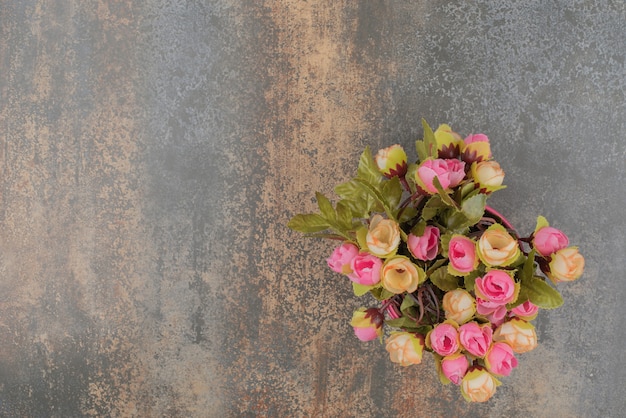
(153, 151)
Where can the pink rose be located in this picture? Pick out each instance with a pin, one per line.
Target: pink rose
(444, 339)
(497, 287)
(454, 367)
(494, 312)
(342, 256)
(526, 310)
(500, 359)
(462, 255)
(425, 247)
(475, 339)
(548, 240)
(365, 269)
(449, 172)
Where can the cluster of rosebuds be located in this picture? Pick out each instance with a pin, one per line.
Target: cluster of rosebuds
(450, 273)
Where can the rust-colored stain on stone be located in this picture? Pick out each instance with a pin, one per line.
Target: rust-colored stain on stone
(152, 153)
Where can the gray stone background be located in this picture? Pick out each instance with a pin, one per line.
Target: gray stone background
(152, 152)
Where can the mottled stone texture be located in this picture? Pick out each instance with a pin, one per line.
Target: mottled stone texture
(152, 152)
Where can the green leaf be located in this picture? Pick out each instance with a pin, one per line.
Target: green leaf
(470, 280)
(402, 322)
(528, 271)
(375, 193)
(392, 190)
(472, 210)
(381, 293)
(344, 214)
(308, 223)
(422, 151)
(541, 223)
(429, 140)
(360, 289)
(359, 203)
(368, 170)
(443, 280)
(326, 208)
(407, 303)
(432, 207)
(409, 213)
(540, 293)
(445, 197)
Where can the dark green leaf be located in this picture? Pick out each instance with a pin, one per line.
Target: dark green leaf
(432, 207)
(443, 280)
(392, 190)
(402, 322)
(381, 293)
(359, 203)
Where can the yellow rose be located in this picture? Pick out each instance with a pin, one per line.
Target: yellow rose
(496, 247)
(383, 236)
(566, 265)
(488, 175)
(405, 348)
(478, 385)
(399, 275)
(517, 333)
(459, 305)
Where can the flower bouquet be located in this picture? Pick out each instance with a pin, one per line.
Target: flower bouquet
(451, 275)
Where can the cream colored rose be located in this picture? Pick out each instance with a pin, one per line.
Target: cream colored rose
(478, 385)
(399, 275)
(383, 236)
(405, 348)
(488, 173)
(517, 333)
(566, 265)
(459, 305)
(496, 247)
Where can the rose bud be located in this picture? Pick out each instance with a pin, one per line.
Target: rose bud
(500, 359)
(496, 247)
(367, 324)
(462, 255)
(450, 173)
(494, 312)
(476, 148)
(365, 269)
(341, 257)
(526, 311)
(444, 339)
(392, 161)
(497, 287)
(405, 348)
(548, 240)
(478, 385)
(459, 305)
(449, 143)
(517, 333)
(566, 265)
(400, 275)
(475, 339)
(426, 246)
(454, 367)
(488, 176)
(383, 236)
